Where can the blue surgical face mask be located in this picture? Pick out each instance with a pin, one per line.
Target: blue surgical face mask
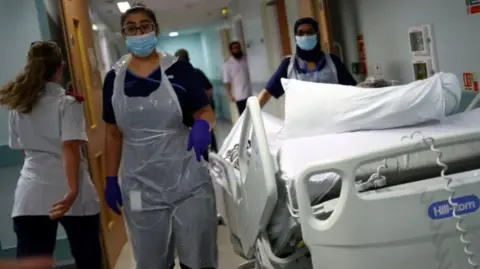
(307, 42)
(142, 45)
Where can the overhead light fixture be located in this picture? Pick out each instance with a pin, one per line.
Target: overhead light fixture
(123, 6)
(173, 34)
(224, 11)
(94, 27)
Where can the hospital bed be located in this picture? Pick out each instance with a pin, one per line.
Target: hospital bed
(363, 200)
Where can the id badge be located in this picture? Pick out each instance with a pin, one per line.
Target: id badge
(135, 200)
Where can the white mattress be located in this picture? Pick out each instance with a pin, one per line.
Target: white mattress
(293, 155)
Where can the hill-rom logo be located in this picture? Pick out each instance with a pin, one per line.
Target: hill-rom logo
(443, 210)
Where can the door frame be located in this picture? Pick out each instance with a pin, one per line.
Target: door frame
(319, 10)
(112, 228)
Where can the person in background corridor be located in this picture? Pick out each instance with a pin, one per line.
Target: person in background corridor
(236, 77)
(48, 125)
(158, 122)
(309, 63)
(182, 54)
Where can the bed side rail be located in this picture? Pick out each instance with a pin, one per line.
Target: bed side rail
(350, 201)
(222, 172)
(258, 190)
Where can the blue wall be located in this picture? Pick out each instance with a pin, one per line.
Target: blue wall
(190, 42)
(205, 53)
(213, 55)
(15, 47)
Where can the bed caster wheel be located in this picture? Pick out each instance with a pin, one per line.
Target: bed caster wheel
(220, 220)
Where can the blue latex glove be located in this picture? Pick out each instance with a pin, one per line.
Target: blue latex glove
(113, 196)
(199, 138)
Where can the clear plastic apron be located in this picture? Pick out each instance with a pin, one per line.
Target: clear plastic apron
(328, 74)
(168, 196)
(154, 159)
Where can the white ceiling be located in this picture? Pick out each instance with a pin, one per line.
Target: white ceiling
(172, 15)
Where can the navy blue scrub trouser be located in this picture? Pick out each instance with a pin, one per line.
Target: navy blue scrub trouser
(37, 235)
(241, 105)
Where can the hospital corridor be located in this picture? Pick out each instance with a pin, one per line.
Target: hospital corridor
(239, 134)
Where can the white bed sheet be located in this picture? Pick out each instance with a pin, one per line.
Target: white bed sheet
(272, 125)
(294, 154)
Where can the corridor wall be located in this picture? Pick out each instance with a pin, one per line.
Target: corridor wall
(191, 42)
(15, 48)
(384, 25)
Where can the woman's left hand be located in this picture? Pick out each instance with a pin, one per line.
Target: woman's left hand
(199, 138)
(60, 208)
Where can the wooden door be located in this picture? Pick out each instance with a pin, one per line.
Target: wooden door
(86, 81)
(224, 34)
(319, 10)
(282, 21)
(277, 40)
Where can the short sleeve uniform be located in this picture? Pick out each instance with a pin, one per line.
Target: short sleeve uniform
(56, 118)
(274, 85)
(236, 73)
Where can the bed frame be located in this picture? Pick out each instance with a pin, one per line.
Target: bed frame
(386, 228)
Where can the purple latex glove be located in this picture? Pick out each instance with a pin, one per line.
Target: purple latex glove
(199, 138)
(113, 196)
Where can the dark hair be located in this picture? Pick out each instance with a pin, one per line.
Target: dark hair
(43, 61)
(230, 46)
(306, 20)
(140, 8)
(183, 54)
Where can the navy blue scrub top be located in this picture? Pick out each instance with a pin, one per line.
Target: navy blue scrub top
(183, 77)
(274, 86)
(204, 81)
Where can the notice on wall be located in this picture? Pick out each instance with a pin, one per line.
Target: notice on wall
(473, 6)
(470, 82)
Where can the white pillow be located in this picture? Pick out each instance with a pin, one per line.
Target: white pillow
(316, 108)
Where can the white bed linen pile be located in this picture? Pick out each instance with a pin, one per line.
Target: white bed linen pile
(315, 108)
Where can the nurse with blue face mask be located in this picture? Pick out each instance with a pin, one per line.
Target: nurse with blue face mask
(309, 63)
(158, 122)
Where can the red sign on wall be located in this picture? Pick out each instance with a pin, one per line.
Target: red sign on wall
(470, 82)
(473, 6)
(467, 80)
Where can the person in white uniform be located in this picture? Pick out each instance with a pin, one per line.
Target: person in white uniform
(54, 187)
(309, 63)
(236, 77)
